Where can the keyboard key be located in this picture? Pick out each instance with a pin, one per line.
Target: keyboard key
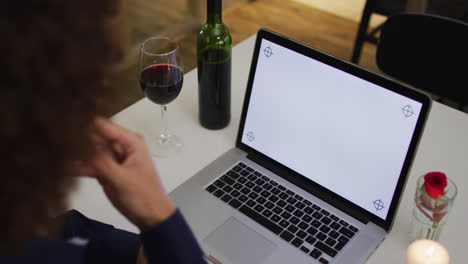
(227, 180)
(260, 219)
(290, 192)
(233, 175)
(259, 208)
(267, 186)
(265, 194)
(298, 213)
(218, 193)
(269, 205)
(226, 198)
(237, 168)
(343, 240)
(238, 186)
(281, 187)
(326, 249)
(275, 218)
(249, 184)
(211, 188)
(253, 195)
(352, 228)
(294, 220)
(275, 191)
(283, 196)
(267, 213)
(306, 218)
(249, 169)
(300, 205)
(281, 203)
(312, 231)
(315, 253)
(326, 220)
(304, 249)
(242, 165)
(257, 189)
(235, 193)
(334, 217)
(235, 203)
(330, 241)
(251, 203)
(323, 261)
(316, 207)
(303, 226)
(308, 210)
(273, 198)
(317, 215)
(298, 197)
(219, 184)
(343, 223)
(258, 174)
(321, 236)
(245, 190)
(287, 236)
(316, 224)
(334, 234)
(325, 212)
(293, 229)
(227, 188)
(335, 225)
(311, 240)
(272, 182)
(345, 231)
(297, 242)
(261, 200)
(292, 200)
(277, 210)
(265, 178)
(244, 173)
(307, 202)
(242, 180)
(259, 181)
(284, 223)
(290, 208)
(301, 234)
(286, 215)
(339, 246)
(243, 198)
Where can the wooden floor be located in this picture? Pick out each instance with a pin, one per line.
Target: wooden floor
(181, 21)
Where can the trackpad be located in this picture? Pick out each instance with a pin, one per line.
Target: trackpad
(239, 243)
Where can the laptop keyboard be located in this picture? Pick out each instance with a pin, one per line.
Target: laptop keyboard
(305, 225)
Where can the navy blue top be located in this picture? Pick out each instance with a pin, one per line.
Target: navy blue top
(169, 242)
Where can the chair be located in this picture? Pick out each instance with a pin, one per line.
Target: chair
(427, 51)
(382, 7)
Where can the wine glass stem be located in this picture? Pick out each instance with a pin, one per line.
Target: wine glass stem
(165, 131)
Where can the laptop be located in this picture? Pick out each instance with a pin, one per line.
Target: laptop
(323, 152)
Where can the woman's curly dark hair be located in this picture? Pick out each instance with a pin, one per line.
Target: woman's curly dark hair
(56, 59)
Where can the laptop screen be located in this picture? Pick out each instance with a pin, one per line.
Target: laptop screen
(344, 133)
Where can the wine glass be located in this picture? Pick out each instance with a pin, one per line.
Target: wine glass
(161, 78)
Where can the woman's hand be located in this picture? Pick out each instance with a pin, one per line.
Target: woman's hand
(123, 166)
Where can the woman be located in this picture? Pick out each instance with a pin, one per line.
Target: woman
(56, 63)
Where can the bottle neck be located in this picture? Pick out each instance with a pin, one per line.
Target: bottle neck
(214, 8)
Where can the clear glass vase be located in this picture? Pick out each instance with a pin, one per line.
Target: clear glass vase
(430, 215)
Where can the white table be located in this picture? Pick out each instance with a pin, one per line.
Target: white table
(444, 147)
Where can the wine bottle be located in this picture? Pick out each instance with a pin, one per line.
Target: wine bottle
(214, 45)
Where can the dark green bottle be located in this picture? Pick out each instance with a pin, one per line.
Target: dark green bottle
(214, 70)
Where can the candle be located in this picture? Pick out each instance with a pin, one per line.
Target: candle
(426, 251)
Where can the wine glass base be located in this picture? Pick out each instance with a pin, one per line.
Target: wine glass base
(166, 146)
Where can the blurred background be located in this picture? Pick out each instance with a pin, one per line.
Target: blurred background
(328, 25)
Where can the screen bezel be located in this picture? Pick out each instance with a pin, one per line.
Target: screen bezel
(307, 184)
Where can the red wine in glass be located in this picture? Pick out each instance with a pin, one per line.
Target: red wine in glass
(161, 83)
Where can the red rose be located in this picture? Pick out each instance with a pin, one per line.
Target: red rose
(435, 183)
